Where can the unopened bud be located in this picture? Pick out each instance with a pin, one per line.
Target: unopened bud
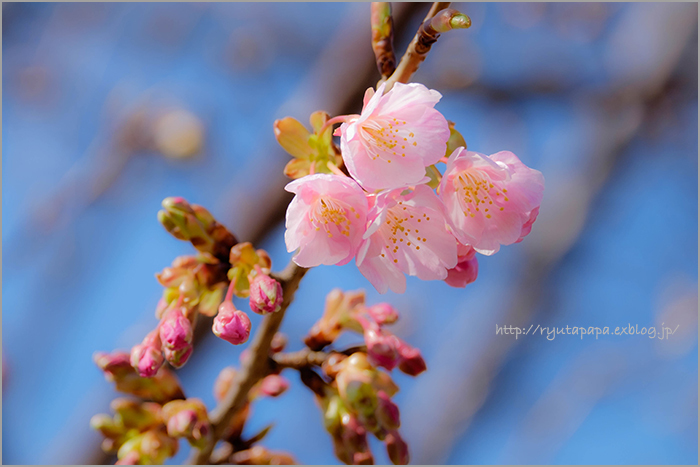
(182, 423)
(231, 325)
(265, 294)
(397, 448)
(223, 382)
(179, 219)
(146, 360)
(449, 19)
(381, 348)
(177, 358)
(156, 446)
(360, 396)
(355, 440)
(383, 313)
(411, 361)
(466, 270)
(387, 412)
(117, 368)
(188, 289)
(243, 258)
(273, 385)
(176, 331)
(279, 342)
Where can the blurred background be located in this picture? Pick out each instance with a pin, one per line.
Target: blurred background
(109, 108)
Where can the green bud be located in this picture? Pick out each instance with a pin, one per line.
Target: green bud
(455, 141)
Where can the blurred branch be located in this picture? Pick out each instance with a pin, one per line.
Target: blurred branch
(383, 38)
(306, 358)
(303, 358)
(255, 367)
(417, 49)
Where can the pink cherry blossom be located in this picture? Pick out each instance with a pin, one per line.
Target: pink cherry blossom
(467, 268)
(397, 135)
(406, 234)
(325, 220)
(490, 200)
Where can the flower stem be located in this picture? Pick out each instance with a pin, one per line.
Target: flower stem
(255, 367)
(416, 51)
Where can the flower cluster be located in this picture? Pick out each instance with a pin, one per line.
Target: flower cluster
(136, 432)
(358, 402)
(195, 285)
(249, 275)
(386, 214)
(163, 386)
(347, 311)
(357, 399)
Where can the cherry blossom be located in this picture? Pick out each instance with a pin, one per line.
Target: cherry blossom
(325, 220)
(406, 234)
(393, 140)
(467, 268)
(490, 200)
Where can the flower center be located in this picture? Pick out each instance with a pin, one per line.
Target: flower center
(478, 193)
(385, 139)
(401, 229)
(332, 216)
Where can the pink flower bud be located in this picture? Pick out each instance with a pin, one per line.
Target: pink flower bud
(383, 313)
(273, 385)
(279, 342)
(231, 325)
(467, 268)
(397, 448)
(176, 331)
(146, 360)
(265, 294)
(354, 437)
(387, 412)
(178, 358)
(182, 423)
(410, 359)
(146, 357)
(381, 348)
(223, 382)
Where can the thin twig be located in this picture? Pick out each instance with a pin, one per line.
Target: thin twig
(383, 38)
(416, 51)
(255, 367)
(297, 360)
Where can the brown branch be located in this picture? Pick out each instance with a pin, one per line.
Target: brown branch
(303, 358)
(255, 367)
(383, 38)
(417, 49)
